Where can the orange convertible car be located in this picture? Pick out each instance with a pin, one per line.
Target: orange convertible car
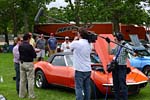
(58, 70)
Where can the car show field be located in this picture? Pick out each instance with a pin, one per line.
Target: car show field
(74, 49)
(7, 87)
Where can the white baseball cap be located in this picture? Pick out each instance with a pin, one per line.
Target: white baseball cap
(66, 37)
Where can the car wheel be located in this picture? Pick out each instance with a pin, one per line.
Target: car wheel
(94, 91)
(146, 70)
(40, 80)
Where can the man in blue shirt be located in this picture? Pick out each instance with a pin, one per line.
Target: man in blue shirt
(52, 44)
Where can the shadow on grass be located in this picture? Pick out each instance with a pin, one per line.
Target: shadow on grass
(60, 88)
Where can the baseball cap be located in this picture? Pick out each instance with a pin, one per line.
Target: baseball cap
(66, 37)
(51, 34)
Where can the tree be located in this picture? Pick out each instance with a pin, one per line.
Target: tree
(18, 15)
(29, 9)
(4, 21)
(125, 11)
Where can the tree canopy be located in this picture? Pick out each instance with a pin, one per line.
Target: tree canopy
(17, 16)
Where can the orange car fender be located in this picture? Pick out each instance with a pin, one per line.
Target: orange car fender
(100, 78)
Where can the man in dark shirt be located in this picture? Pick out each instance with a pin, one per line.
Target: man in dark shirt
(27, 55)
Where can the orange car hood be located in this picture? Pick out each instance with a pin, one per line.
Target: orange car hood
(102, 51)
(101, 48)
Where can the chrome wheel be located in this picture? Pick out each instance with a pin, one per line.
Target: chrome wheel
(40, 80)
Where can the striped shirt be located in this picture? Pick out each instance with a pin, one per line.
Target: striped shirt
(122, 58)
(16, 53)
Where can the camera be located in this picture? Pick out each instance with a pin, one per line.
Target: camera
(112, 65)
(88, 35)
(92, 37)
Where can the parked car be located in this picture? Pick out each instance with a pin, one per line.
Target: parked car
(141, 61)
(58, 70)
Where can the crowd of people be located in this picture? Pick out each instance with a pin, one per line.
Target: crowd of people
(27, 50)
(24, 54)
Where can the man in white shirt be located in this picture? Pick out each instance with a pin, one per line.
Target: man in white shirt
(65, 45)
(81, 61)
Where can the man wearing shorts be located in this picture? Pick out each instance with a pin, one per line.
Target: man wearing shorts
(40, 44)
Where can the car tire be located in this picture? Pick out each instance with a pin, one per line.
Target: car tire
(146, 70)
(40, 80)
(94, 91)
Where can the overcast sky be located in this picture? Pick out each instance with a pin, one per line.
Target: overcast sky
(58, 3)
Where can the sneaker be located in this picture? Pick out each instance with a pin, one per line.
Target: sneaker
(33, 97)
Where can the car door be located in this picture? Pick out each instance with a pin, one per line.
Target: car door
(71, 71)
(59, 72)
(136, 62)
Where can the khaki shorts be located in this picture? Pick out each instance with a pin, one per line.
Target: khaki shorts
(52, 52)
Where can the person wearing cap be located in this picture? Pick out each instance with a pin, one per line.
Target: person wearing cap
(119, 72)
(52, 44)
(65, 45)
(82, 63)
(27, 55)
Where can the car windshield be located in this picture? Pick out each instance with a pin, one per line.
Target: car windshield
(69, 59)
(140, 50)
(94, 59)
(143, 52)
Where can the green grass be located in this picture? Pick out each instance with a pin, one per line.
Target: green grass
(7, 88)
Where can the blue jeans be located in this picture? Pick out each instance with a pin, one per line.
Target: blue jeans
(82, 85)
(17, 69)
(119, 82)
